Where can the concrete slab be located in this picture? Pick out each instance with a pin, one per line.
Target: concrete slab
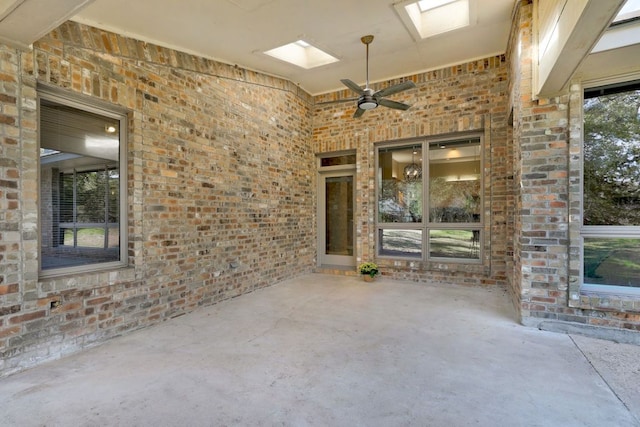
(619, 366)
(329, 350)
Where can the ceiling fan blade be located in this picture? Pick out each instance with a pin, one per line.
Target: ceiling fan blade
(351, 85)
(393, 104)
(394, 89)
(358, 113)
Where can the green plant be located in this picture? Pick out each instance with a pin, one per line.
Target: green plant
(369, 268)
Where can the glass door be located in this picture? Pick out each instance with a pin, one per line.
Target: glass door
(336, 227)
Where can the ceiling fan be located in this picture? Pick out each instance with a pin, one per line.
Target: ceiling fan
(369, 99)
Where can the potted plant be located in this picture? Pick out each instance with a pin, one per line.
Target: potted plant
(369, 270)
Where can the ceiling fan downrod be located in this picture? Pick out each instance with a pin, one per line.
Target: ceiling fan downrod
(367, 40)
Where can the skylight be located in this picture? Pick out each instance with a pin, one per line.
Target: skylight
(630, 10)
(44, 152)
(623, 31)
(302, 54)
(426, 5)
(427, 18)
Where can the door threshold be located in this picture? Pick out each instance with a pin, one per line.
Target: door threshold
(342, 270)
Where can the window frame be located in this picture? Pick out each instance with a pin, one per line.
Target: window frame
(602, 231)
(75, 226)
(426, 226)
(99, 107)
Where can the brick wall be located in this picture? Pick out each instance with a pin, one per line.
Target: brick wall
(11, 248)
(220, 169)
(547, 153)
(466, 97)
(520, 80)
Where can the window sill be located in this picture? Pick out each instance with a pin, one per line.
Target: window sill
(473, 267)
(620, 291)
(87, 279)
(608, 298)
(82, 269)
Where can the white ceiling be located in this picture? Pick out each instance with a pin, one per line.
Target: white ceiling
(238, 31)
(22, 22)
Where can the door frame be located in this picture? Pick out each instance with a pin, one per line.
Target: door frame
(334, 260)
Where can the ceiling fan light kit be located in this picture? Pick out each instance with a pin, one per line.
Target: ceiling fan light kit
(366, 101)
(368, 98)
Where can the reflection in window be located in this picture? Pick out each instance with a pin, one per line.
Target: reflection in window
(347, 159)
(454, 243)
(448, 189)
(611, 186)
(454, 182)
(612, 159)
(80, 188)
(339, 215)
(89, 208)
(400, 184)
(612, 261)
(407, 243)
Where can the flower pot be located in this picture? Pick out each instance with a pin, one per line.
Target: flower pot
(367, 278)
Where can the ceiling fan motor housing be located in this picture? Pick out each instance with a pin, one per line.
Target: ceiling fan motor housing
(367, 100)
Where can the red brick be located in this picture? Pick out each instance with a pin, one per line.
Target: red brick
(5, 332)
(9, 289)
(98, 301)
(28, 316)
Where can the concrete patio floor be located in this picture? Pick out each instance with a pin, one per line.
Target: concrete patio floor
(326, 350)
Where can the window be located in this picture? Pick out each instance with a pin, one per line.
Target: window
(302, 54)
(429, 198)
(82, 210)
(339, 160)
(428, 18)
(611, 186)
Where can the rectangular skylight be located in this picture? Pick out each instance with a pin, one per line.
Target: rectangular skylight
(427, 18)
(623, 31)
(630, 10)
(302, 54)
(425, 5)
(47, 152)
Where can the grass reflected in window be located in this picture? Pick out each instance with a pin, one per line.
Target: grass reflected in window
(454, 244)
(612, 261)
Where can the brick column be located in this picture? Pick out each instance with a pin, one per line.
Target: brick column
(541, 175)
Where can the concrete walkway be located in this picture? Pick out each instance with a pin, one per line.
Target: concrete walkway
(335, 351)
